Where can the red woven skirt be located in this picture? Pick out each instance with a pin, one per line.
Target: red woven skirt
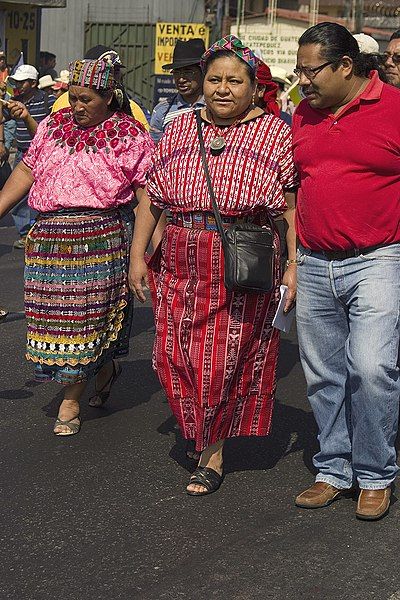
(215, 352)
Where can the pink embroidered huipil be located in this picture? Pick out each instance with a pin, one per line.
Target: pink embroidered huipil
(64, 159)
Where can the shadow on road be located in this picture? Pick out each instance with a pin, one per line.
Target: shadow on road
(126, 394)
(293, 430)
(5, 249)
(288, 358)
(143, 320)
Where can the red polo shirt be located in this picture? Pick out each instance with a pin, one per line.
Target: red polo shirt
(349, 169)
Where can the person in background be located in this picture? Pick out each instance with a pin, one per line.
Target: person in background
(266, 96)
(45, 83)
(7, 128)
(391, 59)
(4, 72)
(280, 77)
(28, 107)
(82, 168)
(346, 144)
(60, 85)
(7, 136)
(368, 45)
(108, 55)
(188, 79)
(47, 63)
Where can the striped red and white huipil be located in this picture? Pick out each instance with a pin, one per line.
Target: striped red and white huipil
(215, 352)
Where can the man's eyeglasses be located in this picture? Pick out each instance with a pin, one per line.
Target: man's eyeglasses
(311, 72)
(395, 57)
(185, 73)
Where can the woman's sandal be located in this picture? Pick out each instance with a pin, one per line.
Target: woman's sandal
(74, 428)
(103, 394)
(207, 478)
(191, 453)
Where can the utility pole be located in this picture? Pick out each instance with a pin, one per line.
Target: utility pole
(358, 16)
(226, 22)
(219, 19)
(239, 9)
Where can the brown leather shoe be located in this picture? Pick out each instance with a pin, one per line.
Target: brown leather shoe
(373, 504)
(318, 495)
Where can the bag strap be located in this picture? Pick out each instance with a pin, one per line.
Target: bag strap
(216, 212)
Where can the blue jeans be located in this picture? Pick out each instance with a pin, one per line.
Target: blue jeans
(348, 325)
(23, 215)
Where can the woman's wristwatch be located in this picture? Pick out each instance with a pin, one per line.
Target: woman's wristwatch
(291, 262)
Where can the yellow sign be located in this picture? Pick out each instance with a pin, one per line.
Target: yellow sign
(20, 31)
(166, 36)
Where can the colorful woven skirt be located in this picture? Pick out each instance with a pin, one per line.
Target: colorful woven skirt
(77, 301)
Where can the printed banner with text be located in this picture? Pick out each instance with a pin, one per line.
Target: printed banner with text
(166, 36)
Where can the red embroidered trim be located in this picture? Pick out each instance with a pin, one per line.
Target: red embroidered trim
(109, 134)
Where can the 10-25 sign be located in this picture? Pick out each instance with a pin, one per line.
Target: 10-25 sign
(21, 20)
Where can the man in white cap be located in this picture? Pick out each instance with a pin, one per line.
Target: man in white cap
(28, 107)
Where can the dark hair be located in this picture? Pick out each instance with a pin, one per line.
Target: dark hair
(395, 35)
(336, 41)
(46, 55)
(229, 54)
(115, 105)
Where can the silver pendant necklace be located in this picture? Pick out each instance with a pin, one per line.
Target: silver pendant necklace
(218, 143)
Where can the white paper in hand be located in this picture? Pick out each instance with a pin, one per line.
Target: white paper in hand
(283, 321)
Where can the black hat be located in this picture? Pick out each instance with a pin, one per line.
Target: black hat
(187, 53)
(106, 53)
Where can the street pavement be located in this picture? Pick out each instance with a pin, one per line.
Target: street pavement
(104, 515)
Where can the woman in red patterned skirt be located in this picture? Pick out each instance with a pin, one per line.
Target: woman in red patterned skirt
(215, 351)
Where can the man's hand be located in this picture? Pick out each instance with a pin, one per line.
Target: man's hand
(290, 279)
(18, 110)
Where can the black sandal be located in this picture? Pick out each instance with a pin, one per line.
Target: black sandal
(207, 478)
(101, 396)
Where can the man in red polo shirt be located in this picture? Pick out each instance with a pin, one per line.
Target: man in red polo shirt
(346, 137)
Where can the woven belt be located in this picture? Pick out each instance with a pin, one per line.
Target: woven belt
(343, 254)
(203, 220)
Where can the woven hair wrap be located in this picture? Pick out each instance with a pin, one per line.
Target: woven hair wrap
(264, 77)
(95, 74)
(232, 43)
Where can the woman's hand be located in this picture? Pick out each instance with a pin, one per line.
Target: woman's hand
(290, 279)
(137, 276)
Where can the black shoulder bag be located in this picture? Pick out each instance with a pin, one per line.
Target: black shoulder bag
(249, 250)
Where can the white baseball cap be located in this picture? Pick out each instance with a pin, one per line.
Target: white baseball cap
(366, 43)
(23, 73)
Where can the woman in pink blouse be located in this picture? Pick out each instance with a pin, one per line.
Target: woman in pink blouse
(83, 168)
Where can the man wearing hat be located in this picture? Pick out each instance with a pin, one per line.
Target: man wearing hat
(106, 53)
(28, 107)
(188, 79)
(60, 85)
